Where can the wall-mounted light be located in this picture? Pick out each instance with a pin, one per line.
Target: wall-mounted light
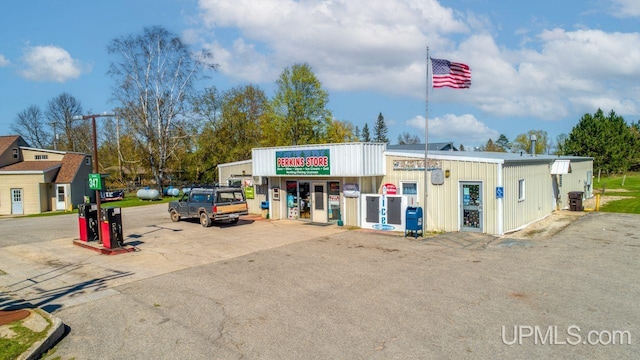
(447, 173)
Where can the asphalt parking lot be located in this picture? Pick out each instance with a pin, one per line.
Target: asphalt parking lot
(280, 289)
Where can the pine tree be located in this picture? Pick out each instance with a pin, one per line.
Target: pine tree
(356, 133)
(366, 136)
(380, 130)
(503, 143)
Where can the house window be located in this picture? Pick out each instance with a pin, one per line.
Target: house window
(42, 157)
(521, 190)
(15, 153)
(560, 180)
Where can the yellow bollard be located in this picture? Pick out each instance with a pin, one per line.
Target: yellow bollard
(597, 202)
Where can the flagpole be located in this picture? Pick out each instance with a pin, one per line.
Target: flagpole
(426, 145)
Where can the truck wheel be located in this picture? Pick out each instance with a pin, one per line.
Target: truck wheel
(234, 221)
(205, 221)
(175, 216)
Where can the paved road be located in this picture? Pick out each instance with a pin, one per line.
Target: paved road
(25, 230)
(266, 290)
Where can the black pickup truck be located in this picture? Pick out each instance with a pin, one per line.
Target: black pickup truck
(210, 204)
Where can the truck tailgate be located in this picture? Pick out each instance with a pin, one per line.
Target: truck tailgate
(231, 208)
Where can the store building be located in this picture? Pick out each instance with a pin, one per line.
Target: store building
(366, 185)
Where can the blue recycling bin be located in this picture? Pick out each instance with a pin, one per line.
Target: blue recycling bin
(414, 220)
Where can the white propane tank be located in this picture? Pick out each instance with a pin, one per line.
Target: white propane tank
(148, 194)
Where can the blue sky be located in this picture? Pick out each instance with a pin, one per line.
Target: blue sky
(535, 65)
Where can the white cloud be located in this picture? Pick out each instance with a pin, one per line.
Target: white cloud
(540, 83)
(626, 8)
(352, 45)
(50, 63)
(3, 61)
(465, 129)
(379, 46)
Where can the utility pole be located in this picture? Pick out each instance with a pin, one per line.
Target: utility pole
(96, 168)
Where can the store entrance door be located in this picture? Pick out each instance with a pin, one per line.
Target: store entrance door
(471, 206)
(318, 203)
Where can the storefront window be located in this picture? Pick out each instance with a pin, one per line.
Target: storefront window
(410, 191)
(292, 200)
(334, 200)
(305, 200)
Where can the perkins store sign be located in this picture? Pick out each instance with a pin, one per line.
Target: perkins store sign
(302, 162)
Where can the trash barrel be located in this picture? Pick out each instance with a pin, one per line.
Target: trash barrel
(575, 200)
(413, 218)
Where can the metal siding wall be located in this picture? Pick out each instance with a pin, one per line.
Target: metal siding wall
(575, 181)
(276, 206)
(538, 201)
(347, 159)
(264, 162)
(225, 172)
(443, 211)
(374, 160)
(443, 208)
(395, 176)
(349, 205)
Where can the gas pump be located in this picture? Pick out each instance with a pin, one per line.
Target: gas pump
(88, 222)
(111, 223)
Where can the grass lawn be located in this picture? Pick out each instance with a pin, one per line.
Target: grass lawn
(612, 186)
(129, 200)
(11, 348)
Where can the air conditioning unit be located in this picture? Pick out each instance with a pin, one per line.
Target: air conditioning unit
(257, 180)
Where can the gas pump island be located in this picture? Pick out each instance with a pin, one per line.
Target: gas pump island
(108, 224)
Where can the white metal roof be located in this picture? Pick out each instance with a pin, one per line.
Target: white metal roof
(486, 157)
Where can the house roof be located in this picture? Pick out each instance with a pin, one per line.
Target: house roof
(6, 141)
(31, 166)
(433, 146)
(71, 163)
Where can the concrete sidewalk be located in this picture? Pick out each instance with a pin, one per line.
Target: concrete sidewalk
(56, 273)
(44, 277)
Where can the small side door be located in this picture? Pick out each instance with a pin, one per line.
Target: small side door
(61, 197)
(16, 202)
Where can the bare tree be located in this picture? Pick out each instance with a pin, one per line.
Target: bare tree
(154, 75)
(30, 124)
(74, 135)
(408, 138)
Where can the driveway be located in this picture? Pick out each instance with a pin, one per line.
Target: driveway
(279, 289)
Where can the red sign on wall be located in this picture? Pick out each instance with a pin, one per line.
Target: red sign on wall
(389, 189)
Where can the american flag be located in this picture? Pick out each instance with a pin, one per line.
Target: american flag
(451, 74)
